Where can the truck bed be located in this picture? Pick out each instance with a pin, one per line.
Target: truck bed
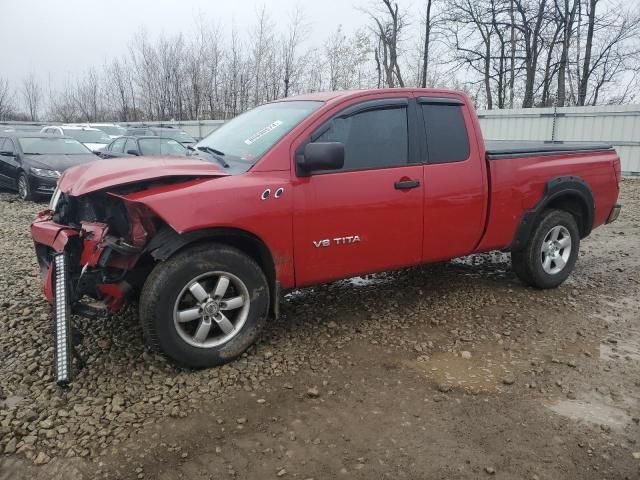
(499, 149)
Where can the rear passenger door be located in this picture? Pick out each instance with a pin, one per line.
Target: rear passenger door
(455, 184)
(367, 216)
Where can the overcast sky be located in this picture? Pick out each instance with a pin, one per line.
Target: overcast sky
(56, 39)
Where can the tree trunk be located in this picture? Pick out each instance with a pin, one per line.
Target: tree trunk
(586, 69)
(512, 70)
(425, 51)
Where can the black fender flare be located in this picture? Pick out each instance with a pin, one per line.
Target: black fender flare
(555, 188)
(167, 242)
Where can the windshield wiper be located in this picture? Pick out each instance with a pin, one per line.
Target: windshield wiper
(217, 154)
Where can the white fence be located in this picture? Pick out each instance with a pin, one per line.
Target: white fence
(618, 125)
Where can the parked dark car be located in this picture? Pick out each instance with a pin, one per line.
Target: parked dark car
(31, 163)
(165, 131)
(143, 146)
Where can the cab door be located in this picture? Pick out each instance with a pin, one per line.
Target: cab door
(367, 216)
(455, 189)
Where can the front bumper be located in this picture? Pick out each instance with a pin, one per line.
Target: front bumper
(88, 256)
(614, 214)
(43, 185)
(76, 262)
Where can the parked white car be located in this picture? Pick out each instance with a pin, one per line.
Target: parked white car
(112, 129)
(92, 138)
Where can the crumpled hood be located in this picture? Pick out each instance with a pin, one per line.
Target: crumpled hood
(59, 162)
(111, 172)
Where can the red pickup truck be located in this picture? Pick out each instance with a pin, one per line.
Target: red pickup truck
(308, 190)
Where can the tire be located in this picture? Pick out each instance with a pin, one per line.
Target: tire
(548, 267)
(24, 187)
(174, 312)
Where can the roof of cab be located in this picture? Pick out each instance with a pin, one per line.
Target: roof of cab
(344, 94)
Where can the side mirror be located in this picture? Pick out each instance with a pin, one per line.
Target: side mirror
(133, 152)
(320, 156)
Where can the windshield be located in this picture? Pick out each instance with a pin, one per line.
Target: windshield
(179, 135)
(247, 137)
(87, 136)
(161, 146)
(52, 146)
(111, 130)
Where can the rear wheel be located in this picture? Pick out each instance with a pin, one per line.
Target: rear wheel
(551, 252)
(205, 306)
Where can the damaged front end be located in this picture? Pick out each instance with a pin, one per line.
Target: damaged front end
(102, 235)
(90, 250)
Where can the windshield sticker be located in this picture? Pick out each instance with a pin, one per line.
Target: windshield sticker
(69, 141)
(263, 132)
(172, 142)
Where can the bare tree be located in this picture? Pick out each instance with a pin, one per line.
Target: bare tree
(472, 33)
(119, 90)
(501, 52)
(31, 96)
(6, 100)
(532, 14)
(389, 24)
(262, 44)
(290, 60)
(63, 106)
(566, 14)
(610, 49)
(428, 25)
(87, 96)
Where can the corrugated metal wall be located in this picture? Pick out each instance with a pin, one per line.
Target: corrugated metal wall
(618, 125)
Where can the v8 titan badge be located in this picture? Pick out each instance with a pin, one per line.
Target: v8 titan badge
(327, 242)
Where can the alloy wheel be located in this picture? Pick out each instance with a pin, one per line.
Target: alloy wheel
(211, 309)
(555, 250)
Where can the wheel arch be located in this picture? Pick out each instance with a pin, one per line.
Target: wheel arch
(569, 193)
(167, 242)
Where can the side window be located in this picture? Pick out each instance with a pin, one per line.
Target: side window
(372, 139)
(447, 138)
(131, 145)
(118, 145)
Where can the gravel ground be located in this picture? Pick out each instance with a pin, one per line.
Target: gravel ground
(453, 370)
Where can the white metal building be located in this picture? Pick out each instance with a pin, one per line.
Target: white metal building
(618, 125)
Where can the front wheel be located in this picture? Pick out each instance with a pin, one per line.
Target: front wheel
(24, 187)
(551, 252)
(205, 306)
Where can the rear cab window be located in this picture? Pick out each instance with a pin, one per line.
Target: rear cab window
(447, 138)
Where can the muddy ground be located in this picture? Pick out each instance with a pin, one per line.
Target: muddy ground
(452, 371)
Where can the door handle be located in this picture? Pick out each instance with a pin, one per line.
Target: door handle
(407, 184)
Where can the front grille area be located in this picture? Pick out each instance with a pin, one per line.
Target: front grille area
(96, 207)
